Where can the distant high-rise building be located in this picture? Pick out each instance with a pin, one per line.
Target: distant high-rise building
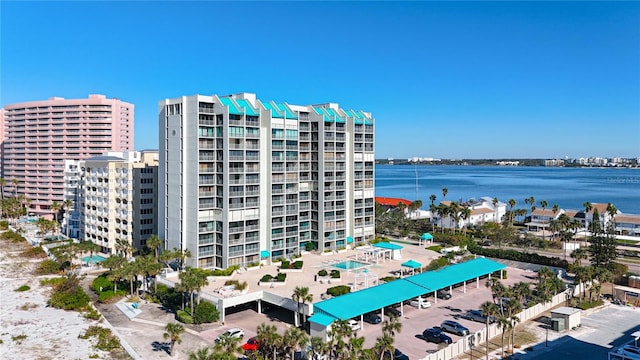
(244, 180)
(40, 135)
(117, 199)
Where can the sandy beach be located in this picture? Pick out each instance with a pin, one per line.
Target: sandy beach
(31, 329)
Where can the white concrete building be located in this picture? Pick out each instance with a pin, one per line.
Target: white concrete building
(482, 211)
(118, 198)
(246, 180)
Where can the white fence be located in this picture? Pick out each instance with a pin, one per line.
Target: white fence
(463, 345)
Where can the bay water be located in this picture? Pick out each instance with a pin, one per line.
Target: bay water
(570, 188)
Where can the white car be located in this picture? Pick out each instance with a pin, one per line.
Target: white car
(235, 332)
(420, 303)
(354, 325)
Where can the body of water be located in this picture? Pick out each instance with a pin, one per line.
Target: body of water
(570, 188)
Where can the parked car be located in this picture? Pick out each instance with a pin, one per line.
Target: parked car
(397, 355)
(443, 294)
(487, 243)
(390, 310)
(235, 332)
(372, 318)
(353, 324)
(436, 335)
(251, 345)
(454, 327)
(420, 303)
(477, 315)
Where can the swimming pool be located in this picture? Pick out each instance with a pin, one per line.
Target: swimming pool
(350, 264)
(93, 259)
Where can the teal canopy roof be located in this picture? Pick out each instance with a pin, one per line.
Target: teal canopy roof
(264, 254)
(386, 245)
(426, 236)
(411, 264)
(349, 239)
(376, 297)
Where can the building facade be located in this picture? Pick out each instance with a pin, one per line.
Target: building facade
(117, 199)
(40, 135)
(245, 180)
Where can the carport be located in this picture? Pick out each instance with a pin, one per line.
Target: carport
(377, 297)
(454, 274)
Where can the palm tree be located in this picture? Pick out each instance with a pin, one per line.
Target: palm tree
(432, 198)
(203, 354)
(445, 191)
(433, 209)
(532, 203)
(173, 332)
(514, 320)
(543, 205)
(293, 338)
(301, 295)
(495, 208)
(612, 211)
(15, 183)
(66, 205)
(55, 207)
(154, 243)
(578, 255)
(489, 310)
(504, 324)
(465, 214)
(443, 211)
(512, 203)
(587, 208)
(269, 338)
(3, 182)
(522, 290)
(384, 344)
(193, 280)
(318, 347)
(454, 212)
(123, 247)
(228, 345)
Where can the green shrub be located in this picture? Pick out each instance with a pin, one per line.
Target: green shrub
(221, 272)
(34, 252)
(108, 296)
(106, 340)
(52, 281)
(101, 282)
(285, 264)
(92, 314)
(298, 264)
(322, 272)
(184, 317)
(253, 264)
(296, 256)
(68, 295)
(4, 225)
(266, 278)
(438, 263)
(205, 312)
(281, 277)
(308, 246)
(338, 290)
(23, 288)
(436, 248)
(335, 274)
(12, 236)
(237, 284)
(590, 304)
(533, 258)
(48, 266)
(19, 338)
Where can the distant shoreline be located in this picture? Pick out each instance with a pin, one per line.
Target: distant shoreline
(489, 162)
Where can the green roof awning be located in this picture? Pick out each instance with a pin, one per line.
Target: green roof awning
(264, 254)
(412, 264)
(322, 319)
(349, 239)
(386, 245)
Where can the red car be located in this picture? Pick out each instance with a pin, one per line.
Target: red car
(252, 345)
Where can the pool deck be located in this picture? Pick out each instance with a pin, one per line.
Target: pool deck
(314, 263)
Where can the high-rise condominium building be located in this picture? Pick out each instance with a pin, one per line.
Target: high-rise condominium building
(40, 135)
(117, 199)
(242, 180)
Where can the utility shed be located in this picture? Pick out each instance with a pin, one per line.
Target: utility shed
(571, 317)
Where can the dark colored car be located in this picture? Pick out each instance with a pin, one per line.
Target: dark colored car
(390, 310)
(397, 355)
(443, 294)
(477, 315)
(371, 318)
(454, 327)
(435, 335)
(251, 345)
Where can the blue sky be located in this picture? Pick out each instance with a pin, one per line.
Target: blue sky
(445, 80)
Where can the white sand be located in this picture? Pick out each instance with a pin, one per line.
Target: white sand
(50, 333)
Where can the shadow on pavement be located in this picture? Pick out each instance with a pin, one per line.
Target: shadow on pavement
(161, 346)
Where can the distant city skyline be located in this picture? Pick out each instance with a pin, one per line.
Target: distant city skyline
(467, 80)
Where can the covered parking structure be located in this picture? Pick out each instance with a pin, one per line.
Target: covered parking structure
(358, 303)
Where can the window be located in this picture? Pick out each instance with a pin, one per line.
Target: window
(277, 133)
(236, 131)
